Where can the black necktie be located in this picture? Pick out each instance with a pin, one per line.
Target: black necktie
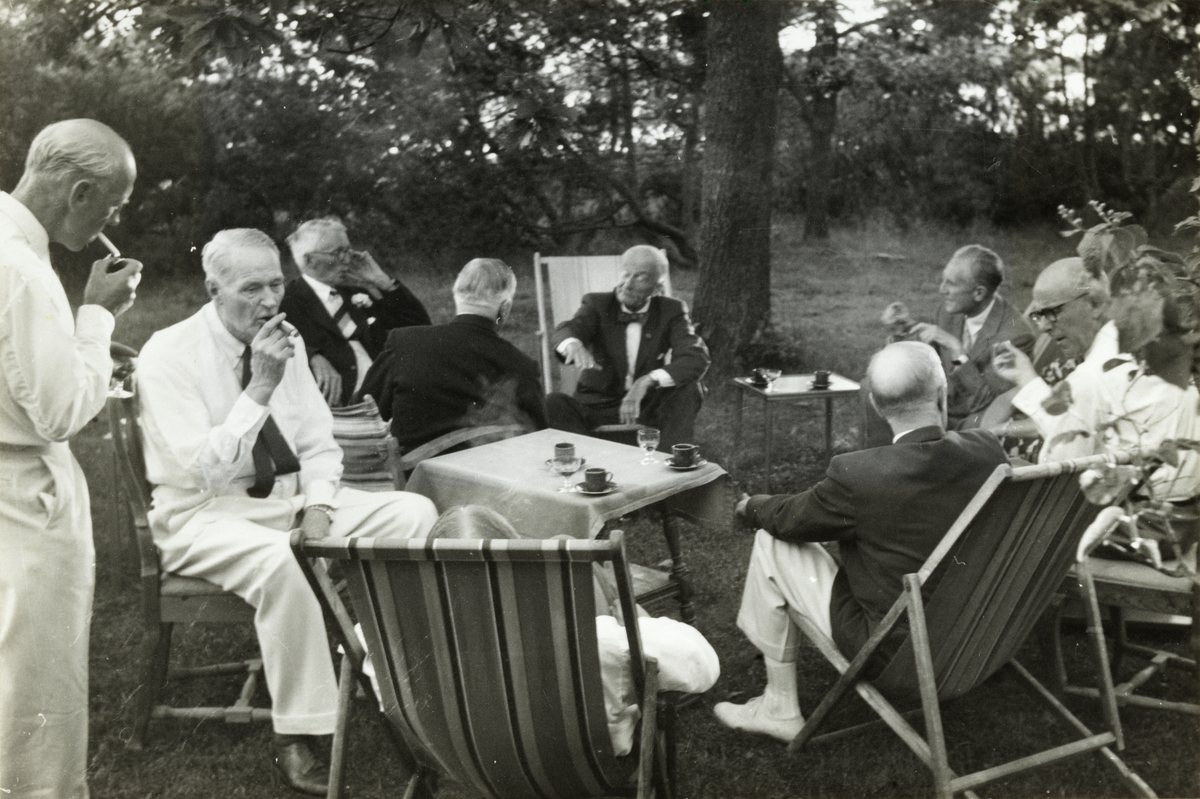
(271, 452)
(625, 317)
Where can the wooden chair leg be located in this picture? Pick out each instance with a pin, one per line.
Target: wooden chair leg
(156, 652)
(679, 570)
(337, 752)
(1108, 697)
(939, 763)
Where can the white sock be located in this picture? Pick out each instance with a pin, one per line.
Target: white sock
(780, 699)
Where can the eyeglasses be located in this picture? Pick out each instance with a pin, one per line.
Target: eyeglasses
(341, 254)
(1049, 316)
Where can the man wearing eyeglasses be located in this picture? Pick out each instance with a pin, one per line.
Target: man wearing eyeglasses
(1071, 305)
(344, 305)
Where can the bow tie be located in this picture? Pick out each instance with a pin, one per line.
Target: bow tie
(625, 317)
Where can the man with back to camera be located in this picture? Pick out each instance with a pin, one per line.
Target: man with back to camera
(239, 447)
(432, 380)
(344, 306)
(621, 341)
(78, 176)
(886, 507)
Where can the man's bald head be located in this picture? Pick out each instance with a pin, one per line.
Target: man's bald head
(77, 148)
(907, 384)
(78, 175)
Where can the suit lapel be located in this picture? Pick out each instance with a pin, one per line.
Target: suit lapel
(315, 308)
(987, 333)
(645, 351)
(614, 334)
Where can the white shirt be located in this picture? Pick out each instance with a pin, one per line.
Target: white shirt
(332, 300)
(56, 369)
(973, 324)
(633, 343)
(1069, 435)
(200, 426)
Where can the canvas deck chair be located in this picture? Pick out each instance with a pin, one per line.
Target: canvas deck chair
(488, 665)
(563, 280)
(969, 609)
(168, 600)
(1119, 586)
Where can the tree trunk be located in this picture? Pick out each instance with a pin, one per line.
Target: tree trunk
(733, 297)
(822, 85)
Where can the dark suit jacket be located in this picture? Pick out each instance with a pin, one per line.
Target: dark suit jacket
(887, 508)
(668, 329)
(972, 386)
(432, 380)
(396, 308)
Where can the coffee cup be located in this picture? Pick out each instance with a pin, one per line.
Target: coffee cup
(684, 455)
(564, 450)
(820, 379)
(596, 479)
(759, 377)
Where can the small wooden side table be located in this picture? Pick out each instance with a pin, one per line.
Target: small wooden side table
(794, 389)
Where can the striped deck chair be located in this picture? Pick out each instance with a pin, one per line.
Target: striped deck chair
(969, 609)
(488, 665)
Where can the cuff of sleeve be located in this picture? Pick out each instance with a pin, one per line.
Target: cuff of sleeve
(561, 349)
(246, 416)
(319, 492)
(94, 321)
(662, 378)
(1029, 399)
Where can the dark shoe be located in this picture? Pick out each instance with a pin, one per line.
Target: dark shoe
(300, 770)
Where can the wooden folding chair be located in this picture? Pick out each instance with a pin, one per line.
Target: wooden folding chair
(568, 278)
(969, 609)
(169, 600)
(1120, 586)
(487, 659)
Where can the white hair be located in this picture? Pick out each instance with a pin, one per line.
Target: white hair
(485, 282)
(905, 376)
(305, 237)
(75, 149)
(645, 254)
(215, 257)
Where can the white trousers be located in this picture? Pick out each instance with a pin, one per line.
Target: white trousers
(242, 544)
(47, 573)
(785, 578)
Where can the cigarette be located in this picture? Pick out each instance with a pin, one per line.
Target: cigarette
(289, 329)
(112, 248)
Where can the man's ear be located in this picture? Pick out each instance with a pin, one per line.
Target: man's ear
(504, 310)
(980, 293)
(81, 192)
(211, 287)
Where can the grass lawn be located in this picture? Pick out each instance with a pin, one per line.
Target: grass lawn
(827, 299)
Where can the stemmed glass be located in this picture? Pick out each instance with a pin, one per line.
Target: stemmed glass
(567, 465)
(648, 438)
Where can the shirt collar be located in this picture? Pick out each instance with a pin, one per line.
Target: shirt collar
(474, 320)
(230, 348)
(23, 218)
(323, 291)
(978, 319)
(1105, 346)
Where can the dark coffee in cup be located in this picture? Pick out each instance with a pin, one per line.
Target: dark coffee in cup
(684, 454)
(820, 379)
(564, 450)
(596, 479)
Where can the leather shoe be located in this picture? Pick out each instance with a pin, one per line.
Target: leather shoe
(300, 770)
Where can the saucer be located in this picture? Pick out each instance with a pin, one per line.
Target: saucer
(608, 489)
(550, 463)
(814, 387)
(699, 462)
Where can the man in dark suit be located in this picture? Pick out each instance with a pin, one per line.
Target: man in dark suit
(431, 380)
(971, 319)
(886, 507)
(640, 357)
(344, 306)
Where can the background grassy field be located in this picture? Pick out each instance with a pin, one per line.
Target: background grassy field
(826, 300)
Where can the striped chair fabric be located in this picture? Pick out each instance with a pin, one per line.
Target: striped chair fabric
(487, 660)
(970, 608)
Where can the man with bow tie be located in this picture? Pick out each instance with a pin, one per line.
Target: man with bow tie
(640, 358)
(344, 306)
(239, 448)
